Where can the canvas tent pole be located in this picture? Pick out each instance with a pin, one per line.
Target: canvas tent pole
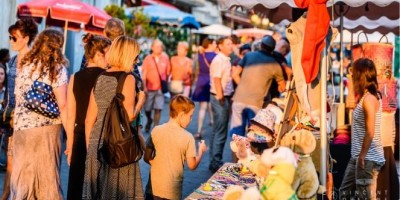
(323, 121)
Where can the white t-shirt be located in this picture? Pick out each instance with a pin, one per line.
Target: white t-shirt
(221, 67)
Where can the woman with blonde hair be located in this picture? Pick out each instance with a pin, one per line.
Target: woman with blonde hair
(101, 181)
(79, 88)
(37, 138)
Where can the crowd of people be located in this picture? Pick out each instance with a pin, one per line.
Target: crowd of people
(236, 84)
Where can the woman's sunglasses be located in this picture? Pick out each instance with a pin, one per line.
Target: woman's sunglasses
(13, 38)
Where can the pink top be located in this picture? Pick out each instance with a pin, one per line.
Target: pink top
(150, 74)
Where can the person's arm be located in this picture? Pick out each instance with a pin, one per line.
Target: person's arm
(149, 152)
(71, 115)
(193, 162)
(219, 94)
(236, 73)
(370, 107)
(216, 75)
(144, 74)
(129, 96)
(91, 117)
(139, 104)
(60, 86)
(280, 79)
(282, 86)
(169, 68)
(61, 96)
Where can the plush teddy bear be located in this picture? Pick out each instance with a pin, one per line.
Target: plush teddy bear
(305, 181)
(241, 147)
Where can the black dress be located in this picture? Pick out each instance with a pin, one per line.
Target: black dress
(83, 84)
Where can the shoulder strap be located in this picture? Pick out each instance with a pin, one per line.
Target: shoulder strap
(205, 60)
(121, 81)
(158, 72)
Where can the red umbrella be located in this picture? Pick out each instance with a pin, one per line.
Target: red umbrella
(70, 14)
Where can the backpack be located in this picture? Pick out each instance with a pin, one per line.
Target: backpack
(121, 144)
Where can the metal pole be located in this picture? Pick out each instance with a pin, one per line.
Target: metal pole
(323, 117)
(341, 54)
(65, 36)
(341, 108)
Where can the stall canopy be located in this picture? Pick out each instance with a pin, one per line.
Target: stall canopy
(167, 15)
(253, 32)
(215, 29)
(361, 37)
(368, 16)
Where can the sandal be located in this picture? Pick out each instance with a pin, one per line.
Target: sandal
(198, 136)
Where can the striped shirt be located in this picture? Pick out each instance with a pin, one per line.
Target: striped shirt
(358, 131)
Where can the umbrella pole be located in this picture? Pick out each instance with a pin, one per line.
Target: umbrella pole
(65, 36)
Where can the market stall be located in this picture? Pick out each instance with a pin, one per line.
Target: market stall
(339, 12)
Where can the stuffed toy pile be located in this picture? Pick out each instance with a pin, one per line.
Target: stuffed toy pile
(277, 167)
(305, 182)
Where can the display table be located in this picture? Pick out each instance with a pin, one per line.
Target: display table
(227, 175)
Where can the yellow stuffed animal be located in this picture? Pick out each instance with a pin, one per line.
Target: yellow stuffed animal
(281, 163)
(305, 181)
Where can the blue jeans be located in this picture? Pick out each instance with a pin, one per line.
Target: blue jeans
(360, 183)
(219, 130)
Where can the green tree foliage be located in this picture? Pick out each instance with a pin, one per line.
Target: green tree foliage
(136, 26)
(170, 36)
(115, 11)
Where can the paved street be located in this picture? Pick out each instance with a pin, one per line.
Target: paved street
(192, 179)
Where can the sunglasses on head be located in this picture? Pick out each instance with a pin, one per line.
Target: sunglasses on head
(13, 38)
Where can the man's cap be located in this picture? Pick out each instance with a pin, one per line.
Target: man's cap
(268, 41)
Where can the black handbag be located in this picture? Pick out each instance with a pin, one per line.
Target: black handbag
(164, 83)
(121, 143)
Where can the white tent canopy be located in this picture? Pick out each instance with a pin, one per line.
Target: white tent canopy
(359, 37)
(215, 29)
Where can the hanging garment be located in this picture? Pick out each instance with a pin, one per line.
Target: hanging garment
(314, 40)
(309, 94)
(295, 35)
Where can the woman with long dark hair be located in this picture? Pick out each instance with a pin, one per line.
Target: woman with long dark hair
(367, 156)
(37, 138)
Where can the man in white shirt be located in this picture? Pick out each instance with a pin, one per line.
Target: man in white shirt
(220, 99)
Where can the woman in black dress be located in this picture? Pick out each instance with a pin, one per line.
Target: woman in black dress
(79, 88)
